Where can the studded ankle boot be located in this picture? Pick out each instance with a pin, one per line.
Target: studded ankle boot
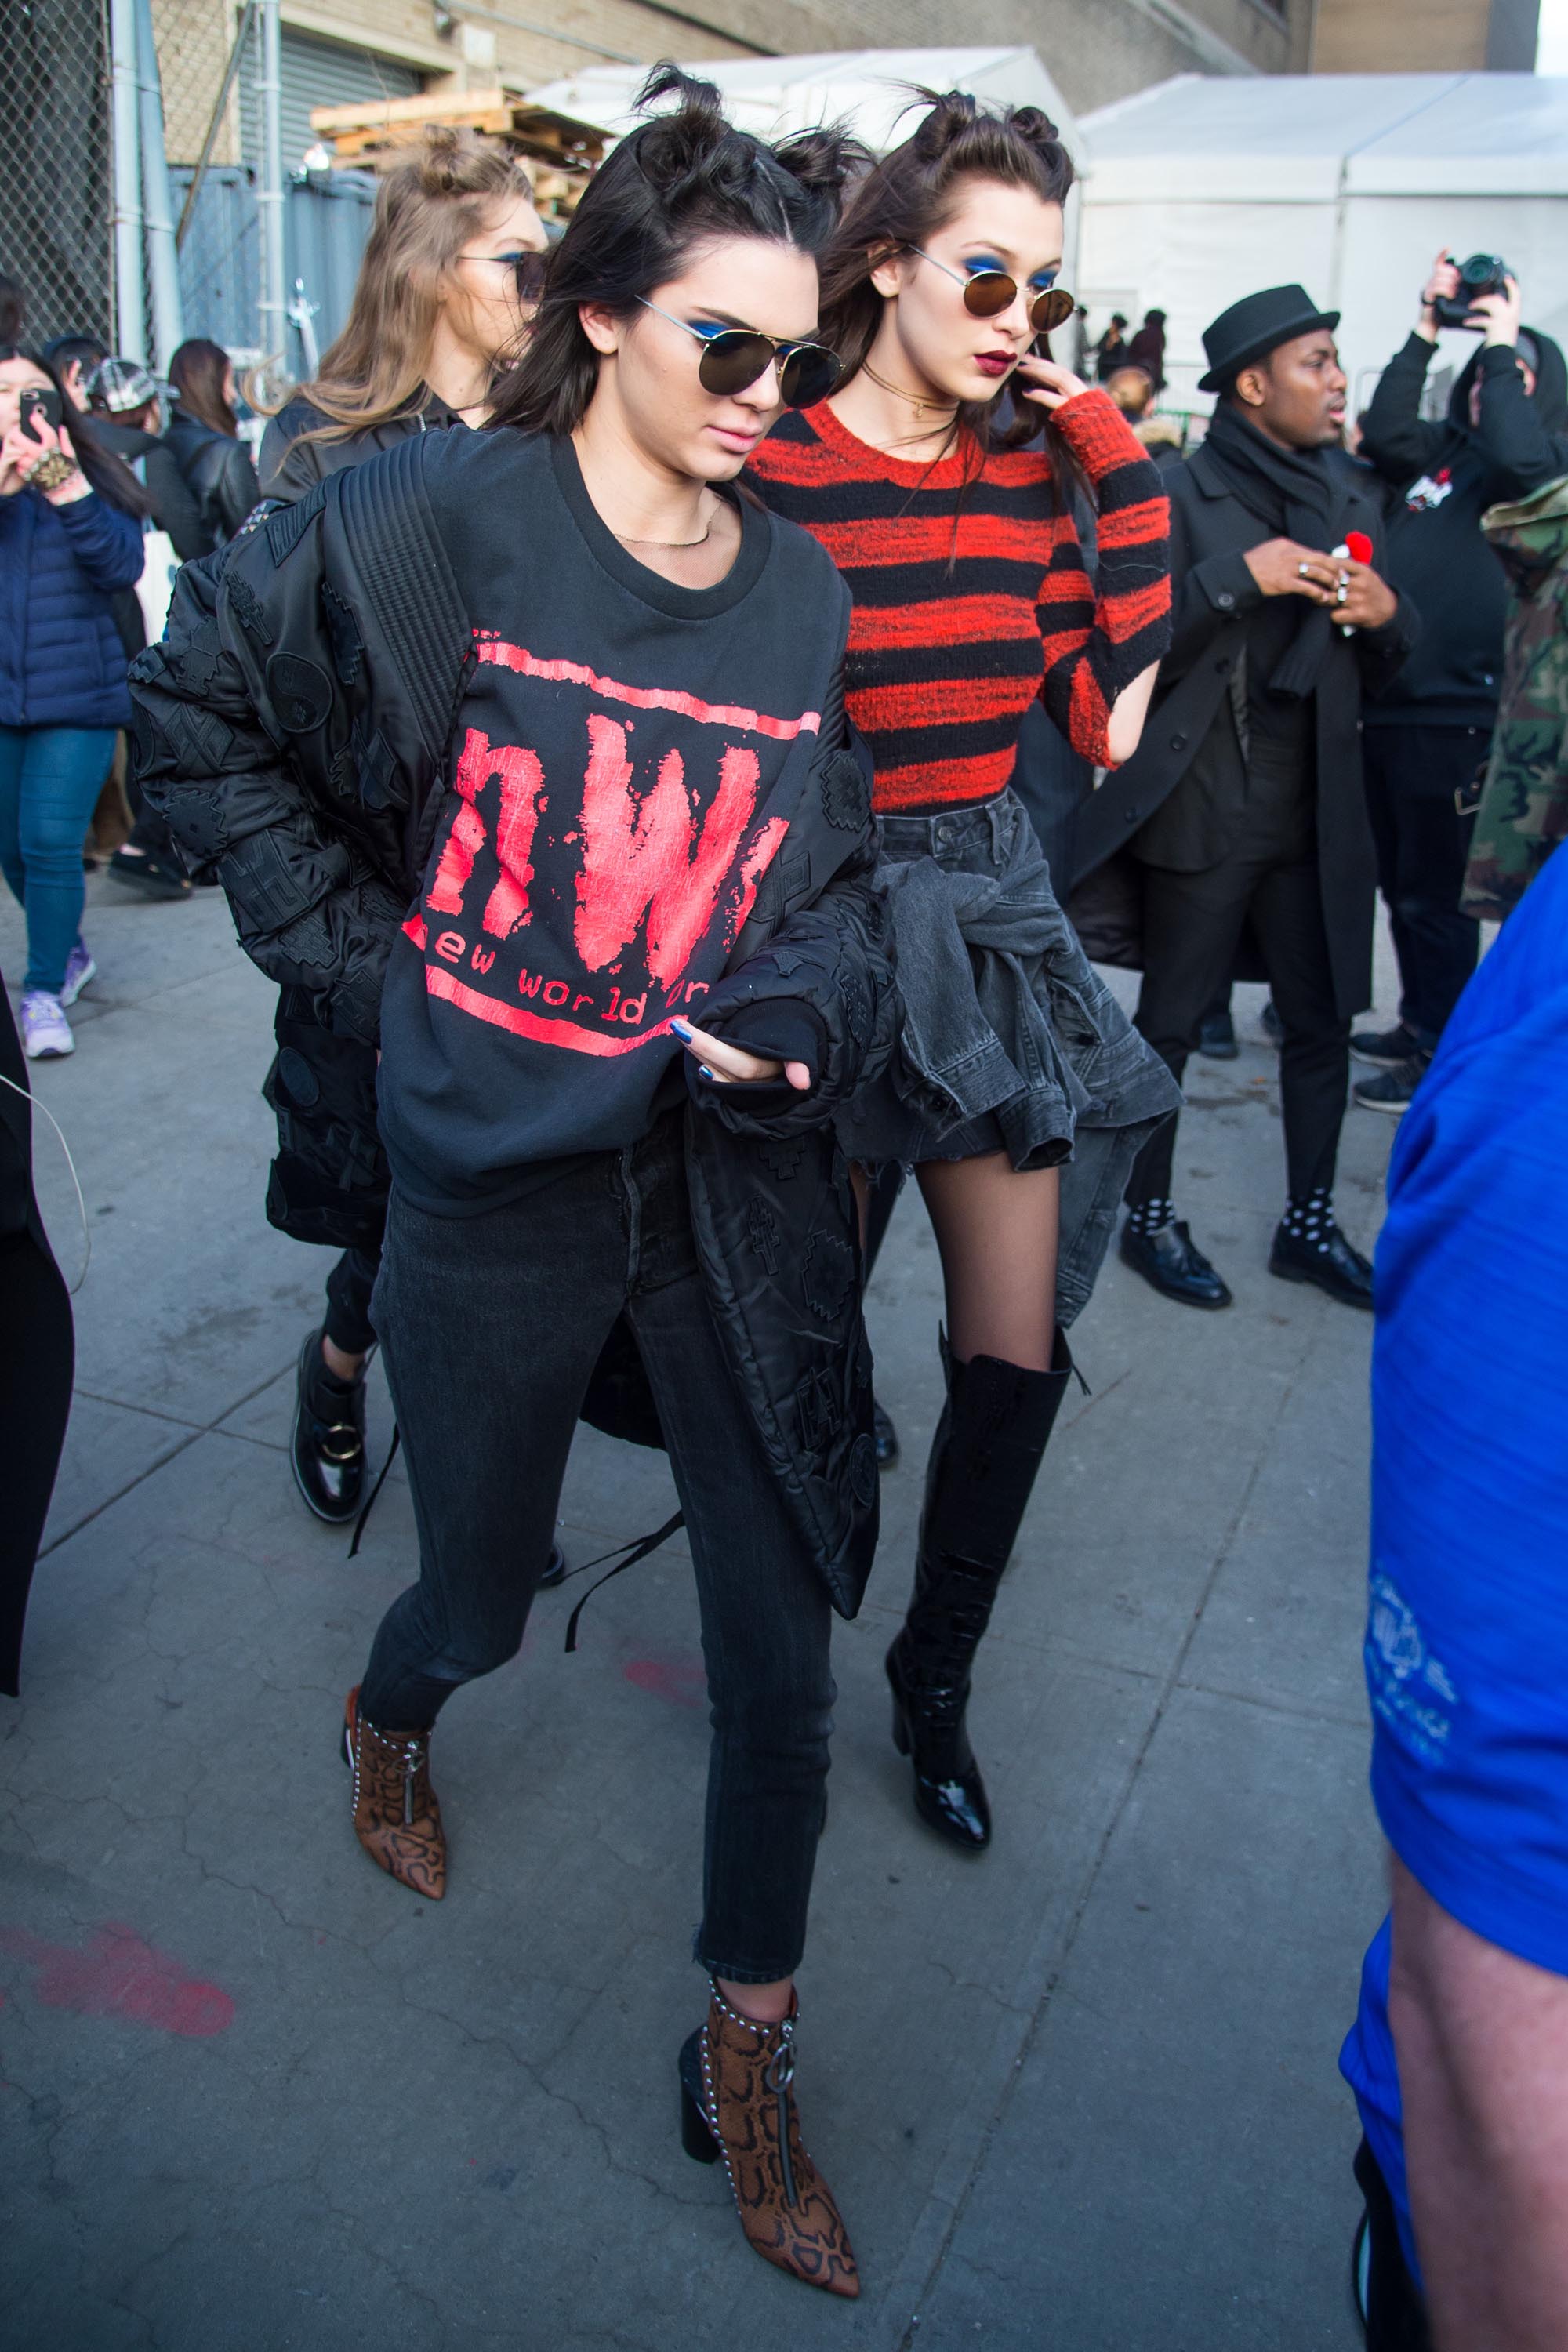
(396, 1814)
(737, 2101)
(987, 1449)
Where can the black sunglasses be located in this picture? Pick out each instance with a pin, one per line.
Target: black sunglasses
(733, 357)
(527, 269)
(988, 292)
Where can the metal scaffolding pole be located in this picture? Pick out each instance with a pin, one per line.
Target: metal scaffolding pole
(129, 308)
(273, 307)
(163, 265)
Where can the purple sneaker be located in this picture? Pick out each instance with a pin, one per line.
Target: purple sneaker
(79, 969)
(46, 1032)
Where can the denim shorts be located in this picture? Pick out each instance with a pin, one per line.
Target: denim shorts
(1010, 1040)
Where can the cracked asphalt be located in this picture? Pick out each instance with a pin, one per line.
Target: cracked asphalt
(1077, 2094)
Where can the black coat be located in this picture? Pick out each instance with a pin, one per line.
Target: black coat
(219, 474)
(1175, 802)
(295, 728)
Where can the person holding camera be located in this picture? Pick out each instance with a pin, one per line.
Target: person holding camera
(71, 536)
(1428, 732)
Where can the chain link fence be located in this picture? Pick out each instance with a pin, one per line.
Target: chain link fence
(55, 164)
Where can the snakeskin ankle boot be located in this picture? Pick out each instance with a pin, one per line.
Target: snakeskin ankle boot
(737, 2102)
(397, 1813)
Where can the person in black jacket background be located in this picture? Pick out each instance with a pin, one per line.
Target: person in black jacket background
(1243, 805)
(1428, 734)
(444, 296)
(644, 969)
(202, 436)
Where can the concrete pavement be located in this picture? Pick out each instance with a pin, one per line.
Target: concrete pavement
(1077, 2094)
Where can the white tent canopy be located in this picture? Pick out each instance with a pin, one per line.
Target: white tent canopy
(868, 88)
(1202, 191)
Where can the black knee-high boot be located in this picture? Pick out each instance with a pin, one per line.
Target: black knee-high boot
(988, 1446)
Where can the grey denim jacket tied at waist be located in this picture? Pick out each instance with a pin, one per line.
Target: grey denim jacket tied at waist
(1009, 1038)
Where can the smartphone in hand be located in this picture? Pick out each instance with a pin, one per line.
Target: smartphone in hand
(33, 405)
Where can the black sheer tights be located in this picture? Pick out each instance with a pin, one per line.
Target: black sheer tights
(996, 1232)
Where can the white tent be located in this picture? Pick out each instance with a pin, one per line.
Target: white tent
(1201, 191)
(870, 88)
(866, 88)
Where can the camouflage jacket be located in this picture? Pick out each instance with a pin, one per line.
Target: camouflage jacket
(1523, 812)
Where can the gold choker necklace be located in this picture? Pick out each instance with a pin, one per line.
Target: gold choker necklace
(917, 401)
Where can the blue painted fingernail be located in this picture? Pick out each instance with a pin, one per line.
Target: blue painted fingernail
(681, 1028)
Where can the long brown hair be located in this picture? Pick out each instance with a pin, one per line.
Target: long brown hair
(903, 200)
(198, 372)
(686, 175)
(427, 207)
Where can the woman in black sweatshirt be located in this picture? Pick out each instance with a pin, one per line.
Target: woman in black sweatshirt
(601, 747)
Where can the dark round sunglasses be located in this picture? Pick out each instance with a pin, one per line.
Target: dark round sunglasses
(988, 292)
(733, 357)
(527, 269)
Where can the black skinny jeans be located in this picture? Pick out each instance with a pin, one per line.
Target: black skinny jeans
(492, 1326)
(1423, 847)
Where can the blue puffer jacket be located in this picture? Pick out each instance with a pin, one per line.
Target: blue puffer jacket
(61, 660)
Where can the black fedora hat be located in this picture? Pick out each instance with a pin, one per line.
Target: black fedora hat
(1257, 325)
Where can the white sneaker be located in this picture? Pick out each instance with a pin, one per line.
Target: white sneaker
(79, 969)
(46, 1032)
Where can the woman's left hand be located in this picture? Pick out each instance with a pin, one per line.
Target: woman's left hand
(1048, 383)
(22, 453)
(727, 1065)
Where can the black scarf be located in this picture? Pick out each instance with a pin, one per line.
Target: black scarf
(1297, 495)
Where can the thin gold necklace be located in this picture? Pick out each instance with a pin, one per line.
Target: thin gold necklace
(628, 539)
(917, 400)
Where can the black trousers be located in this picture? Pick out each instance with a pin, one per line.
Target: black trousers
(1422, 844)
(492, 1326)
(349, 1286)
(1191, 924)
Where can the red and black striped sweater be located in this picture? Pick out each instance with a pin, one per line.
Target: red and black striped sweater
(950, 643)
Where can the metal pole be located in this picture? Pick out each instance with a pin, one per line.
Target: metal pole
(220, 108)
(273, 317)
(163, 267)
(129, 307)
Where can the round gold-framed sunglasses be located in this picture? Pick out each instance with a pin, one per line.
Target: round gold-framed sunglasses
(988, 292)
(733, 357)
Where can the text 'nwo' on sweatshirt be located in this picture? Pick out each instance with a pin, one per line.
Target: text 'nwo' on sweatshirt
(625, 757)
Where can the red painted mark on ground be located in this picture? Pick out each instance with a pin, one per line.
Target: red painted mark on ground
(117, 1973)
(682, 1681)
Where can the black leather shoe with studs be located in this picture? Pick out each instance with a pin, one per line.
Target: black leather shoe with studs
(327, 1449)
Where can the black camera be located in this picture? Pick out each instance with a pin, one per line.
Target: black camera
(1483, 274)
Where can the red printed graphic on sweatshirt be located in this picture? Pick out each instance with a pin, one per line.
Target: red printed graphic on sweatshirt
(584, 910)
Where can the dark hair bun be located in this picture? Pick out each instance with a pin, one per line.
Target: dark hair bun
(825, 160)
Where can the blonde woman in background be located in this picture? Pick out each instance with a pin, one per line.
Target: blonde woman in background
(449, 280)
(446, 289)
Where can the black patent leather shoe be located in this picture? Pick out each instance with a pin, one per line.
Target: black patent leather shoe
(1331, 1263)
(327, 1448)
(555, 1567)
(928, 1727)
(1173, 1263)
(885, 1435)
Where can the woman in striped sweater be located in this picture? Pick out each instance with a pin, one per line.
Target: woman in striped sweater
(1021, 1093)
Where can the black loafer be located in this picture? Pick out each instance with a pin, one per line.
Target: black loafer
(1331, 1263)
(1216, 1037)
(886, 1436)
(1173, 1264)
(327, 1448)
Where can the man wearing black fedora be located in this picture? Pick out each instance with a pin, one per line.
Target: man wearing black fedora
(1243, 814)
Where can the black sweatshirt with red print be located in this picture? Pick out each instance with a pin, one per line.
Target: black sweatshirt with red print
(625, 754)
(971, 594)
